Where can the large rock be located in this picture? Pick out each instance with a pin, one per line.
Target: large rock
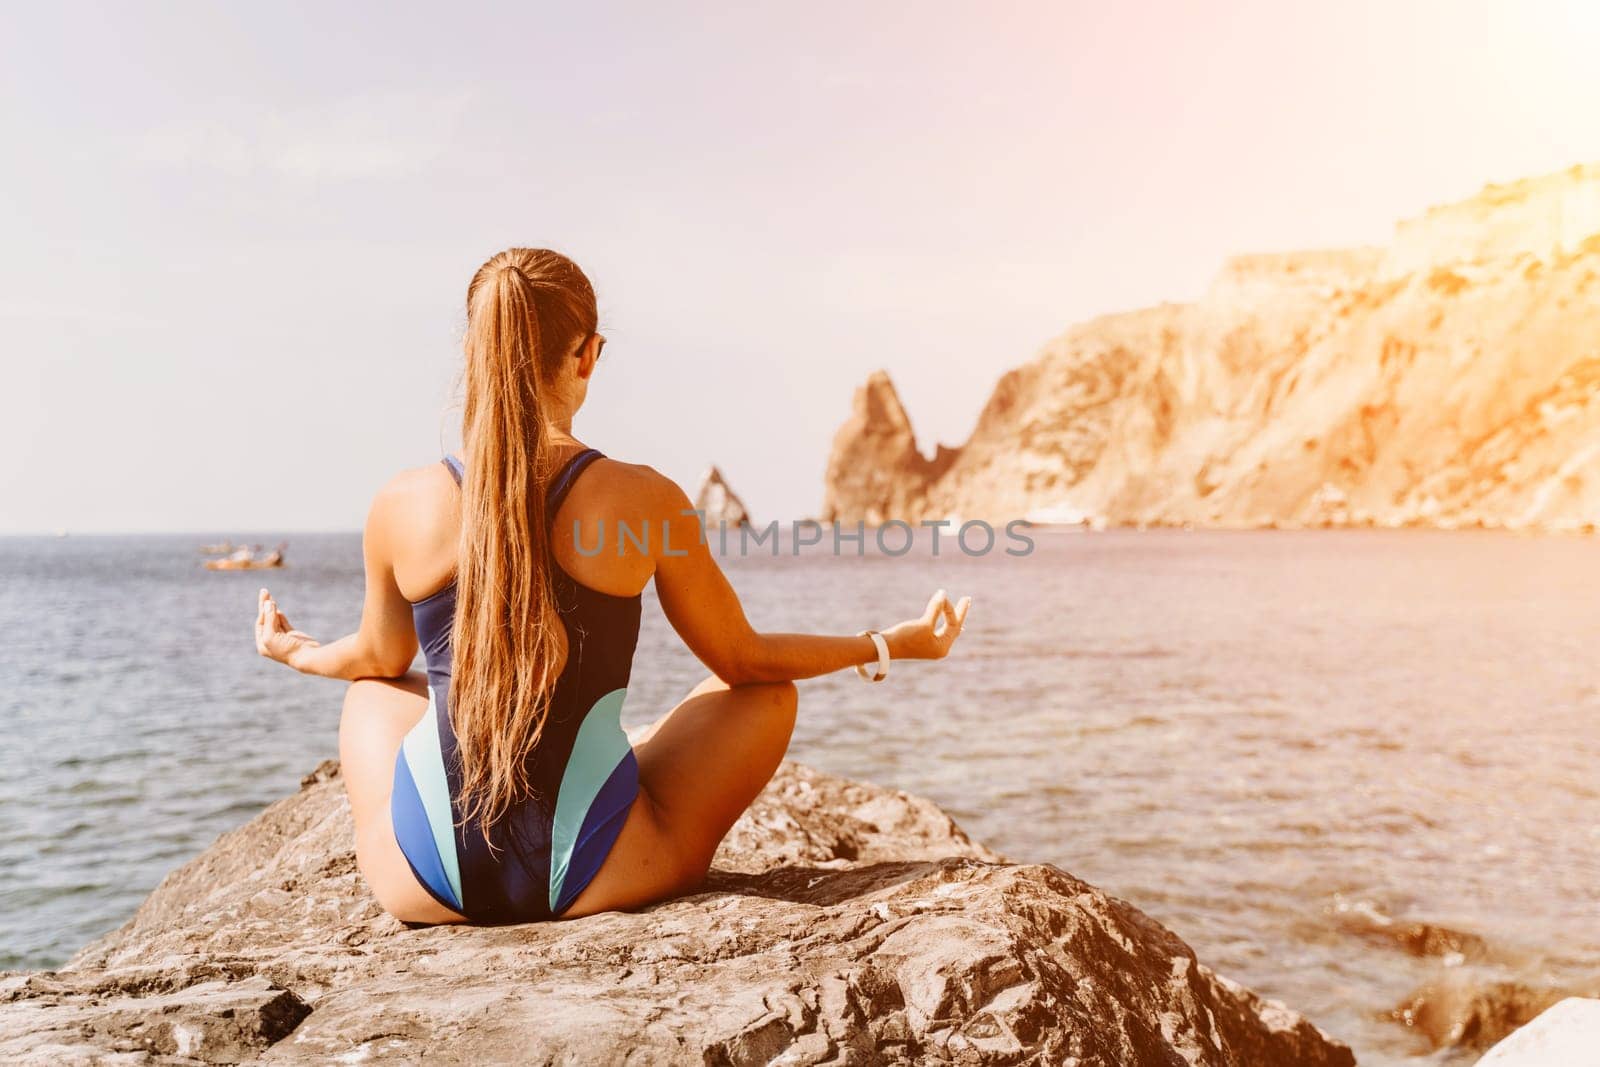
(1567, 1034)
(875, 471)
(1471, 1008)
(1452, 378)
(843, 924)
(718, 503)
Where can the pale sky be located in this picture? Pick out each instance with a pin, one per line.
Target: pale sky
(235, 239)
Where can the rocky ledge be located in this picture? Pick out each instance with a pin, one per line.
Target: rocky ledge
(844, 924)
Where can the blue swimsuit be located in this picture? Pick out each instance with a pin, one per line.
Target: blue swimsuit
(539, 856)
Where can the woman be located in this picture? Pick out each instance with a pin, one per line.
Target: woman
(500, 786)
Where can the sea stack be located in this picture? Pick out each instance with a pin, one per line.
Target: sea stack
(875, 470)
(718, 503)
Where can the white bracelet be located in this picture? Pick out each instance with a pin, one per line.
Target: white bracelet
(883, 657)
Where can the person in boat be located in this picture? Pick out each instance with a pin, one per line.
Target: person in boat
(499, 785)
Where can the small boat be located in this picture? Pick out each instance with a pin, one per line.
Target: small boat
(217, 550)
(245, 559)
(272, 559)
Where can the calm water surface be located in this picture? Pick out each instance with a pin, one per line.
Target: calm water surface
(1262, 739)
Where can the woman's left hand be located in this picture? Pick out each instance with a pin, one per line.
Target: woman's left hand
(930, 636)
(275, 638)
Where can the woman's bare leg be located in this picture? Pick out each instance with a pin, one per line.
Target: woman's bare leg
(378, 713)
(700, 766)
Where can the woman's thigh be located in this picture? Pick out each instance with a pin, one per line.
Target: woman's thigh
(700, 766)
(706, 759)
(378, 713)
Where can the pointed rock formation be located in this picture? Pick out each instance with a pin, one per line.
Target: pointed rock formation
(718, 503)
(875, 471)
(1452, 378)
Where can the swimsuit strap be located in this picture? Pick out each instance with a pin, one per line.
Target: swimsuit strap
(560, 485)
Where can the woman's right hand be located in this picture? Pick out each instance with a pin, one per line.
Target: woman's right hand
(924, 638)
(276, 639)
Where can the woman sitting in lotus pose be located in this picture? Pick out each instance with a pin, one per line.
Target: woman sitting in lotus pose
(500, 786)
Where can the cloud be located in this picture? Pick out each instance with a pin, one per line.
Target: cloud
(361, 137)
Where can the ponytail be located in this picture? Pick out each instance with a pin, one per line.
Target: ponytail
(526, 310)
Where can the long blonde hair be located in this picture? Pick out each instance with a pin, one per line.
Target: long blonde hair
(527, 310)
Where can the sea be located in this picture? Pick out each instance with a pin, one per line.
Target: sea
(1342, 765)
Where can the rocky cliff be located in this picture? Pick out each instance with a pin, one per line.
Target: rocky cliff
(843, 924)
(1452, 378)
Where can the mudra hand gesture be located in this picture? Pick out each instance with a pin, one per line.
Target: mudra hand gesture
(930, 636)
(275, 638)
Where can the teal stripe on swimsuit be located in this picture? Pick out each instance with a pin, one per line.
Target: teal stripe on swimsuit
(596, 751)
(425, 760)
(415, 836)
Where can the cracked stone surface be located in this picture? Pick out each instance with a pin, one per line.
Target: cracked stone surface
(844, 924)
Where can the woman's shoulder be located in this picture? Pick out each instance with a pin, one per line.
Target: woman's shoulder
(414, 500)
(631, 506)
(411, 528)
(415, 485)
(637, 488)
